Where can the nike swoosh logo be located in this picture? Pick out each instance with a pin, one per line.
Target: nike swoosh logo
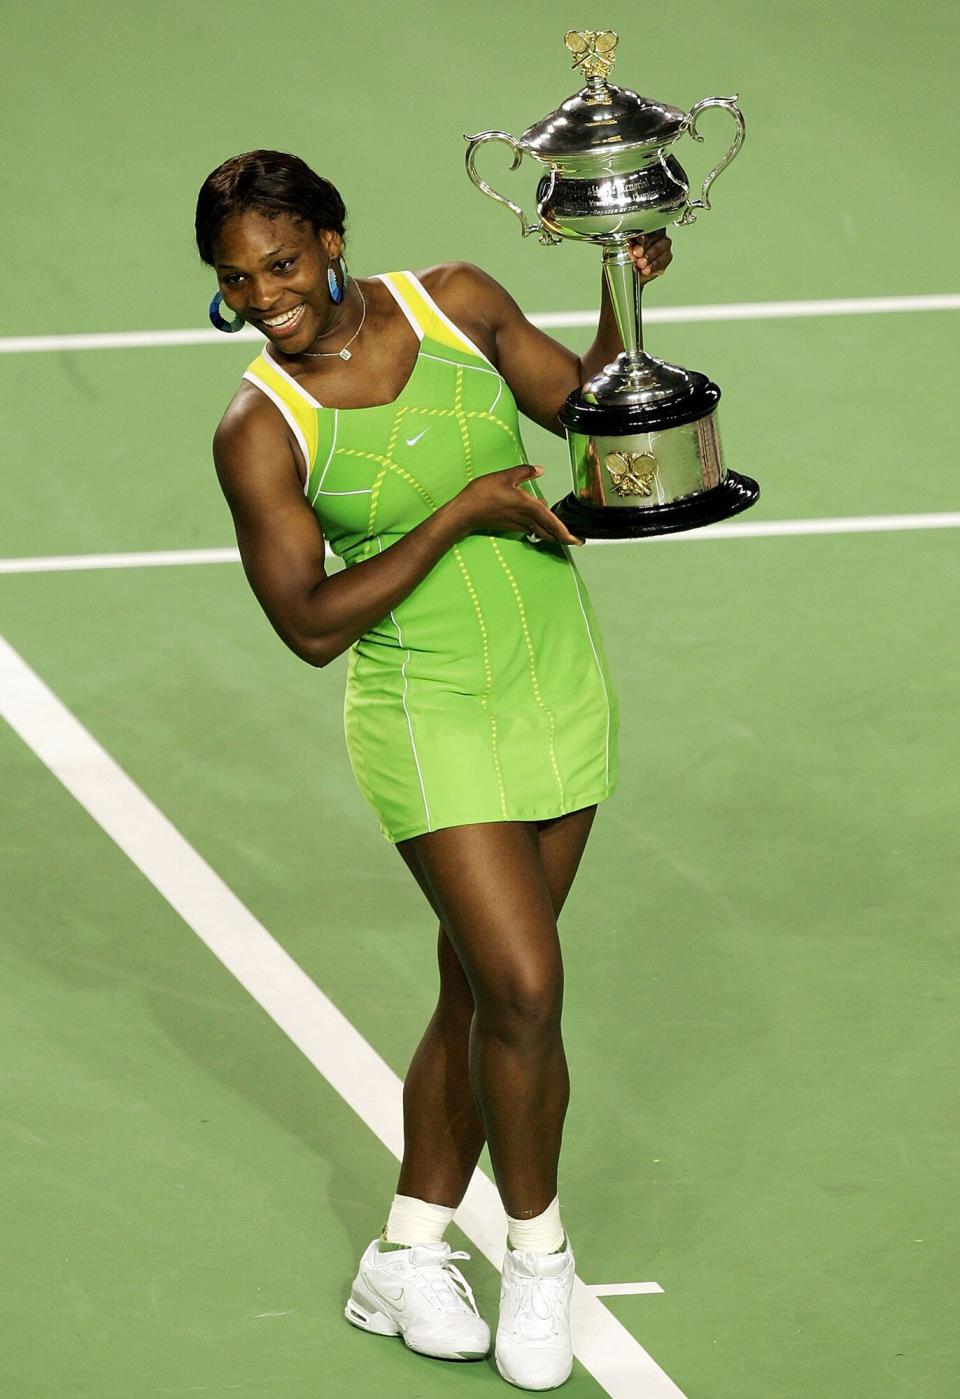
(384, 1295)
(412, 441)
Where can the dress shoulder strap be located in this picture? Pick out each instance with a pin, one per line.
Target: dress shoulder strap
(298, 407)
(425, 315)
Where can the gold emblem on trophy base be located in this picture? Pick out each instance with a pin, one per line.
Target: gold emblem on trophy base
(628, 477)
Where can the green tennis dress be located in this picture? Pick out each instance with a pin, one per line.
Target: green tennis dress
(485, 694)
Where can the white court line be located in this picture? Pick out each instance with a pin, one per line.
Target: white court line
(654, 315)
(154, 558)
(622, 1289)
(841, 524)
(764, 310)
(331, 1043)
(844, 524)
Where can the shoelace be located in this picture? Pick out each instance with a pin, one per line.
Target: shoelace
(539, 1306)
(445, 1286)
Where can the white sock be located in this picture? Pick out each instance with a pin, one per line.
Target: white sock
(412, 1221)
(542, 1234)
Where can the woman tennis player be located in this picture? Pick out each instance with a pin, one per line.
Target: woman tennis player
(480, 720)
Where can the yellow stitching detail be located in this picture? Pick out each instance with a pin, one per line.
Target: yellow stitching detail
(375, 499)
(388, 455)
(496, 761)
(488, 674)
(551, 722)
(391, 466)
(394, 432)
(491, 418)
(378, 483)
(462, 424)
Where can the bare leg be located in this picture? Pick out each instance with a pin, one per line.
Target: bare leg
(513, 1046)
(442, 1132)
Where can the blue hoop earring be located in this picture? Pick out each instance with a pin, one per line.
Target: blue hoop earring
(228, 327)
(336, 290)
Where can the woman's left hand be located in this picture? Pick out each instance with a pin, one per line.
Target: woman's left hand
(651, 253)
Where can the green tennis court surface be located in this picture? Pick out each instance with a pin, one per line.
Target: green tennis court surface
(761, 945)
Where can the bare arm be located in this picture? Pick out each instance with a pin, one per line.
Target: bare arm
(282, 546)
(540, 371)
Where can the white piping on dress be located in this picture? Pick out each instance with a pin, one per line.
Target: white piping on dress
(290, 420)
(333, 444)
(413, 745)
(480, 369)
(290, 379)
(606, 771)
(442, 315)
(382, 277)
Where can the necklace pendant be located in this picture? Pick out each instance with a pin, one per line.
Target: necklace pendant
(345, 354)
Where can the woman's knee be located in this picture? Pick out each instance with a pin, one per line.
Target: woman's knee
(456, 997)
(522, 1005)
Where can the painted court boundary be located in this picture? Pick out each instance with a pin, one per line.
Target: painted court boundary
(762, 529)
(547, 320)
(275, 981)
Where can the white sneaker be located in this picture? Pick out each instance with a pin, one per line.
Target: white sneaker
(534, 1349)
(418, 1294)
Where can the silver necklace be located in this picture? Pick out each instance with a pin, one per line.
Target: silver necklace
(343, 353)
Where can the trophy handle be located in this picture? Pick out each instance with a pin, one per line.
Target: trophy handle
(474, 143)
(729, 104)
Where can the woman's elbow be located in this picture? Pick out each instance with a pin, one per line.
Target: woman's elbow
(315, 653)
(310, 637)
(315, 650)
(320, 651)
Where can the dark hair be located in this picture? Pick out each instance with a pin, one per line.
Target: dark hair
(271, 183)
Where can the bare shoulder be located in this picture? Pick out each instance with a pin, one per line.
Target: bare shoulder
(252, 437)
(244, 415)
(477, 303)
(462, 289)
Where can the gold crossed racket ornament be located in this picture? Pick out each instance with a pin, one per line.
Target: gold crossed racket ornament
(629, 477)
(593, 50)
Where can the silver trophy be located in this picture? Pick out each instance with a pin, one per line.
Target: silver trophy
(644, 444)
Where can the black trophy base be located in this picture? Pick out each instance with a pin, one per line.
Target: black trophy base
(735, 493)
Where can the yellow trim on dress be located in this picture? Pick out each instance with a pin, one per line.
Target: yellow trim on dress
(427, 315)
(303, 413)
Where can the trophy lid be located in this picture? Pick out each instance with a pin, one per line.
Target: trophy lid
(601, 119)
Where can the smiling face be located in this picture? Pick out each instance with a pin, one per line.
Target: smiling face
(273, 272)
